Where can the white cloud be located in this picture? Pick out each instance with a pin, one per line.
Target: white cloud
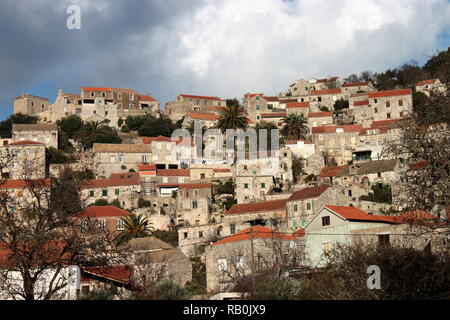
(229, 47)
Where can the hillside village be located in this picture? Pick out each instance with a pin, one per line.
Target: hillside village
(208, 223)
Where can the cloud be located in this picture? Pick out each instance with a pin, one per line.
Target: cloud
(211, 47)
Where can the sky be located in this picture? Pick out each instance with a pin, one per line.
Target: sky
(222, 48)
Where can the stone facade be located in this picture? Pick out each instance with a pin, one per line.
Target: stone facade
(29, 104)
(44, 133)
(24, 160)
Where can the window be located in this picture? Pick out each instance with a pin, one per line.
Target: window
(202, 176)
(295, 207)
(91, 193)
(132, 106)
(119, 106)
(181, 180)
(379, 174)
(388, 115)
(121, 158)
(257, 98)
(375, 100)
(144, 158)
(400, 102)
(119, 96)
(131, 96)
(102, 224)
(308, 206)
(375, 110)
(185, 235)
(200, 234)
(194, 205)
(222, 264)
(326, 221)
(294, 224)
(117, 192)
(165, 179)
(240, 263)
(326, 247)
(258, 107)
(349, 193)
(263, 185)
(319, 99)
(245, 185)
(92, 94)
(232, 228)
(388, 104)
(401, 114)
(120, 224)
(383, 240)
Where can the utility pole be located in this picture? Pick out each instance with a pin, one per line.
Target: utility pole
(253, 259)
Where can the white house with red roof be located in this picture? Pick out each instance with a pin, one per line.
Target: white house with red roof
(390, 104)
(430, 85)
(335, 224)
(109, 218)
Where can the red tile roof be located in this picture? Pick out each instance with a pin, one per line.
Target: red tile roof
(147, 167)
(146, 98)
(319, 114)
(297, 105)
(382, 123)
(355, 214)
(273, 115)
(195, 185)
(425, 82)
(148, 140)
(203, 116)
(307, 193)
(330, 171)
(22, 184)
(173, 172)
(116, 179)
(221, 170)
(25, 142)
(109, 89)
(273, 205)
(259, 232)
(332, 129)
(361, 103)
(326, 79)
(200, 97)
(326, 91)
(102, 211)
(389, 93)
(355, 84)
(117, 273)
(252, 95)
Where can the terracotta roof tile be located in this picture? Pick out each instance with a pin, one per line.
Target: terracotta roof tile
(307, 193)
(355, 214)
(319, 114)
(389, 93)
(326, 91)
(102, 211)
(355, 84)
(297, 105)
(361, 103)
(331, 171)
(332, 129)
(257, 207)
(203, 116)
(259, 232)
(25, 143)
(116, 179)
(425, 82)
(173, 172)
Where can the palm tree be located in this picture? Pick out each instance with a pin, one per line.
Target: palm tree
(232, 117)
(295, 127)
(136, 226)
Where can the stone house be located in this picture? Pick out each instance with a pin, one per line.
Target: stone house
(271, 214)
(300, 148)
(304, 87)
(276, 118)
(210, 172)
(40, 132)
(20, 192)
(390, 104)
(124, 187)
(431, 85)
(164, 151)
(230, 258)
(193, 239)
(304, 203)
(24, 160)
(154, 259)
(186, 103)
(325, 98)
(29, 104)
(358, 87)
(207, 119)
(109, 218)
(334, 224)
(193, 204)
(112, 158)
(318, 119)
(298, 107)
(336, 141)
